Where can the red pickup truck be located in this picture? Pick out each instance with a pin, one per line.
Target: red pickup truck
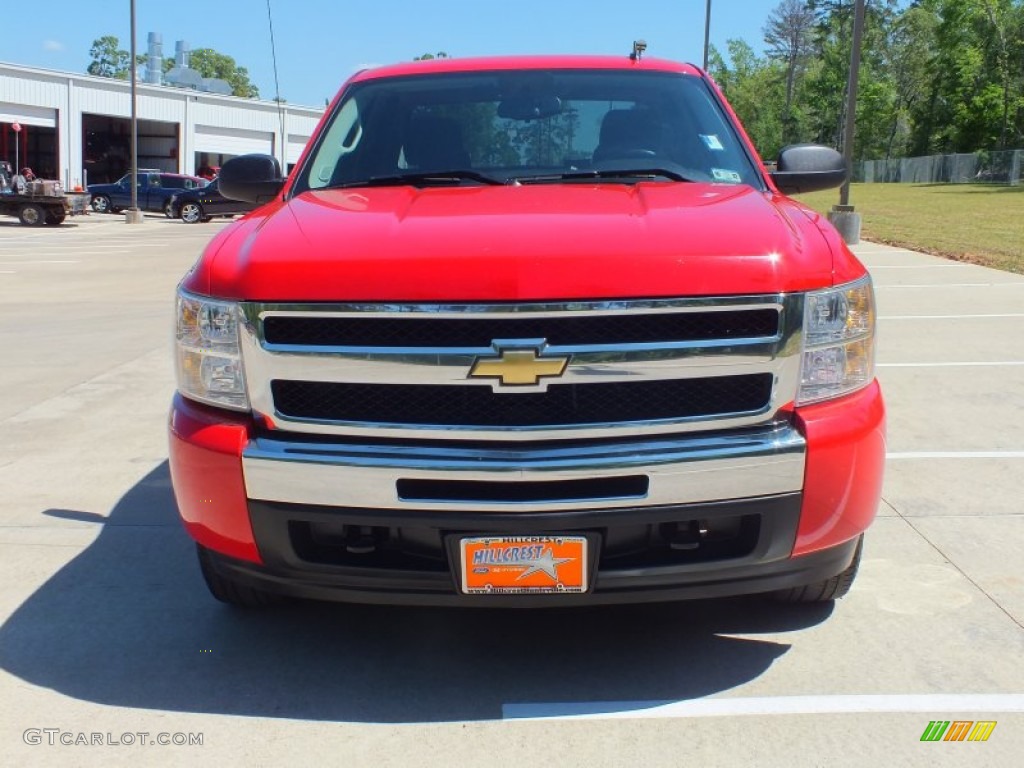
(528, 331)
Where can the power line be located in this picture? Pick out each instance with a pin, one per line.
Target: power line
(277, 87)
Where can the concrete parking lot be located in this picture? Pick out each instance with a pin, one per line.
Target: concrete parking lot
(106, 627)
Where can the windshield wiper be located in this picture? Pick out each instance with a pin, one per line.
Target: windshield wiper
(422, 179)
(616, 173)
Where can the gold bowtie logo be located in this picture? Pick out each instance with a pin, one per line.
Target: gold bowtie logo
(518, 367)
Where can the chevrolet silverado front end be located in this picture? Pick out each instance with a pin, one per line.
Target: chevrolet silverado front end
(527, 331)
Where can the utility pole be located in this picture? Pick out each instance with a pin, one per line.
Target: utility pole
(851, 99)
(843, 216)
(133, 215)
(707, 34)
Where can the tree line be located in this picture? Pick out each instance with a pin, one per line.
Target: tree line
(936, 76)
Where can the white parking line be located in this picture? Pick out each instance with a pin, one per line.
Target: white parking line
(40, 261)
(920, 266)
(947, 317)
(956, 285)
(77, 252)
(865, 251)
(778, 705)
(952, 365)
(955, 455)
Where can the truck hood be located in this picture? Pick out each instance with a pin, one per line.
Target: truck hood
(507, 243)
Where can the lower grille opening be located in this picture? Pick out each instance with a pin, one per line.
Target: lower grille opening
(623, 547)
(589, 489)
(337, 543)
(681, 542)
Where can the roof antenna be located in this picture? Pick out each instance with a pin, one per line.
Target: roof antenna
(639, 46)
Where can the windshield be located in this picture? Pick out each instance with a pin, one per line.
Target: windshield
(528, 126)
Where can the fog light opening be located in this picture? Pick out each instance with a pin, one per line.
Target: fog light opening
(360, 540)
(688, 535)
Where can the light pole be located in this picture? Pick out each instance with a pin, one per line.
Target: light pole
(843, 216)
(851, 99)
(707, 33)
(133, 215)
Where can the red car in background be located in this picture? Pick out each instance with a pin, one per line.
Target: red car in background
(208, 172)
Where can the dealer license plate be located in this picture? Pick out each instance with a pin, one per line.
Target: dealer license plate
(502, 565)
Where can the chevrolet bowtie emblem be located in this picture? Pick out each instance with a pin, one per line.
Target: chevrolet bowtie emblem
(518, 367)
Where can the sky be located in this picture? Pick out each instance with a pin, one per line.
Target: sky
(320, 43)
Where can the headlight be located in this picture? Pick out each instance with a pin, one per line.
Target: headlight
(839, 342)
(208, 358)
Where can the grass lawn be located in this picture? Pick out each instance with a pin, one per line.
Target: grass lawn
(980, 223)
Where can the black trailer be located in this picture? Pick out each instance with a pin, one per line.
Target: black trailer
(34, 202)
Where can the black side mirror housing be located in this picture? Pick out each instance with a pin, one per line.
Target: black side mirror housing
(251, 179)
(808, 168)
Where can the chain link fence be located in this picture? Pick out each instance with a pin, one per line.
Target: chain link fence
(974, 168)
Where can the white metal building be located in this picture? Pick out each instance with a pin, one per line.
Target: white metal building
(74, 127)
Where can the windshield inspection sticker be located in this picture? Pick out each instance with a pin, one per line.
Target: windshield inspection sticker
(721, 174)
(712, 142)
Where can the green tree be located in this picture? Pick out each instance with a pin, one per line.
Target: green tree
(108, 59)
(210, 63)
(756, 89)
(824, 87)
(909, 62)
(935, 76)
(789, 35)
(976, 94)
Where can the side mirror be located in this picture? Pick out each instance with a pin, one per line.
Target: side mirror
(251, 179)
(808, 168)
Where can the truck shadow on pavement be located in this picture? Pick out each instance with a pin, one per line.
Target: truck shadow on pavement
(129, 623)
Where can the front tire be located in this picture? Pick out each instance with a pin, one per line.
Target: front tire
(101, 204)
(231, 592)
(192, 213)
(31, 215)
(55, 217)
(824, 591)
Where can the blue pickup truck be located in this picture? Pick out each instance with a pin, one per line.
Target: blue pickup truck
(155, 191)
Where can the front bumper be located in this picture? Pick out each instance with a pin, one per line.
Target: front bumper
(766, 567)
(376, 522)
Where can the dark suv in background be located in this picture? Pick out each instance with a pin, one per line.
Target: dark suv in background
(155, 191)
(203, 203)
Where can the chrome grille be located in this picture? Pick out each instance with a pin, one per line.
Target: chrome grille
(636, 367)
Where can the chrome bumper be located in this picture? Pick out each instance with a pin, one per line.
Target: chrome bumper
(678, 470)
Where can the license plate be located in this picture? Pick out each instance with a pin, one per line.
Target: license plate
(504, 565)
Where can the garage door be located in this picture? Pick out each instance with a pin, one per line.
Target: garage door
(19, 113)
(295, 146)
(232, 141)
